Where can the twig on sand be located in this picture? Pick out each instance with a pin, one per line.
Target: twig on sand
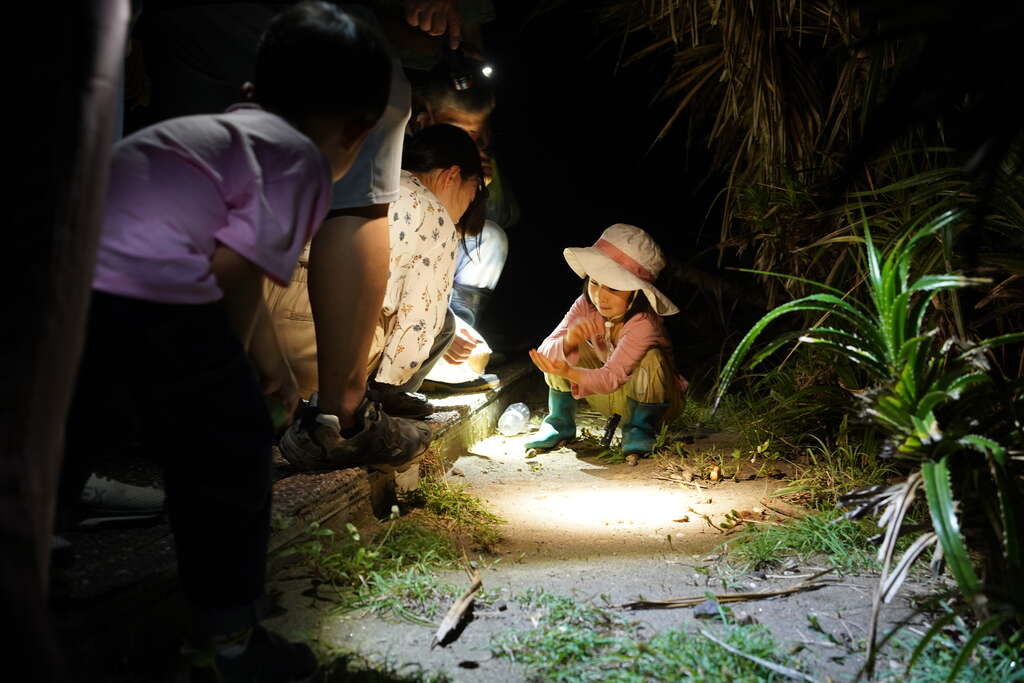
(679, 480)
(673, 603)
(449, 628)
(784, 508)
(777, 668)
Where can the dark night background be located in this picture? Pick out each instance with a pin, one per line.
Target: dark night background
(571, 135)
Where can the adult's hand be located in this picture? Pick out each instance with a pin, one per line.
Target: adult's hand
(461, 348)
(436, 17)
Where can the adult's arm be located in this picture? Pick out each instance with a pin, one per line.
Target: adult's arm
(348, 275)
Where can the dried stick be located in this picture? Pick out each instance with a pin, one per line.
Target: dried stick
(784, 508)
(674, 603)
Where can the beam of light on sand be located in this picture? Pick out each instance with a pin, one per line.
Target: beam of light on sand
(587, 508)
(598, 504)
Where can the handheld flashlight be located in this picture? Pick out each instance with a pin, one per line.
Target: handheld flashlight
(459, 70)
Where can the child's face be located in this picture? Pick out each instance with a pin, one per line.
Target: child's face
(610, 303)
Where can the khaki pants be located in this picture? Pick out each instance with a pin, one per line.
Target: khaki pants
(653, 381)
(292, 315)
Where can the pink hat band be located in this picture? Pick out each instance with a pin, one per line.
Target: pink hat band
(623, 259)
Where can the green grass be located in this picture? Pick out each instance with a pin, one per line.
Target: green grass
(575, 641)
(391, 575)
(989, 662)
(456, 511)
(834, 469)
(843, 543)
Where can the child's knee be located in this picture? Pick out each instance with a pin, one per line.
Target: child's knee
(653, 380)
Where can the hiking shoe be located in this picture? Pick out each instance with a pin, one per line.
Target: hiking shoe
(106, 501)
(385, 443)
(484, 382)
(400, 403)
(267, 658)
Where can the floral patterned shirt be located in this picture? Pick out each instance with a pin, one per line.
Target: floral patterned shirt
(421, 270)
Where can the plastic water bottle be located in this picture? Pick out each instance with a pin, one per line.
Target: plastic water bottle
(513, 420)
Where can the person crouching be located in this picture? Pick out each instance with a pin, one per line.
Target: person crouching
(611, 348)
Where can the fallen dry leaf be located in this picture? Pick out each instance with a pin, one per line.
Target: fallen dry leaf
(714, 473)
(449, 628)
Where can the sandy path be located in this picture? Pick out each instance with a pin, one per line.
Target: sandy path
(561, 506)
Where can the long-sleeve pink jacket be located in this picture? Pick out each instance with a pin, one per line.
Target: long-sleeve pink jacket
(640, 333)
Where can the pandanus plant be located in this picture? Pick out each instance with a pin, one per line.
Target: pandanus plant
(945, 410)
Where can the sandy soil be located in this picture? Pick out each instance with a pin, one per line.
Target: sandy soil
(604, 533)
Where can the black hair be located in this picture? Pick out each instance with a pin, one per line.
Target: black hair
(444, 146)
(439, 91)
(640, 303)
(315, 59)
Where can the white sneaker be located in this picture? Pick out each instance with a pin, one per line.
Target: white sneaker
(106, 500)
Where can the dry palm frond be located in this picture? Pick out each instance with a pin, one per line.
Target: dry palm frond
(812, 582)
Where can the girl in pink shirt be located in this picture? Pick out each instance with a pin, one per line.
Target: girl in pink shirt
(611, 347)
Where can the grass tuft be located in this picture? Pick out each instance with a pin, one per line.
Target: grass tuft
(575, 641)
(456, 511)
(991, 661)
(392, 575)
(833, 470)
(844, 543)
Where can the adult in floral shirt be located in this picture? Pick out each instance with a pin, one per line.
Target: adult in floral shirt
(436, 207)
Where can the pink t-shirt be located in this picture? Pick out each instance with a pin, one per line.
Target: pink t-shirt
(640, 333)
(246, 179)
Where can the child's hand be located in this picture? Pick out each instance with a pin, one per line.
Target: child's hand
(580, 332)
(461, 348)
(548, 366)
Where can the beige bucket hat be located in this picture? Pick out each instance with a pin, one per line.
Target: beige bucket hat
(624, 257)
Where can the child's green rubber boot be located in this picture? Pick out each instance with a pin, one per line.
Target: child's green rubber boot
(641, 431)
(560, 424)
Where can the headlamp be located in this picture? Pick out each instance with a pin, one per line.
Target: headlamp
(462, 70)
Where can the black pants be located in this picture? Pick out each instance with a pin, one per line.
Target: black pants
(203, 417)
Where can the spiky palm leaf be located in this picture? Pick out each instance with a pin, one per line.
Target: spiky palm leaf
(925, 398)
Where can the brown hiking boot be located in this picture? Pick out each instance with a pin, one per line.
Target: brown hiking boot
(385, 443)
